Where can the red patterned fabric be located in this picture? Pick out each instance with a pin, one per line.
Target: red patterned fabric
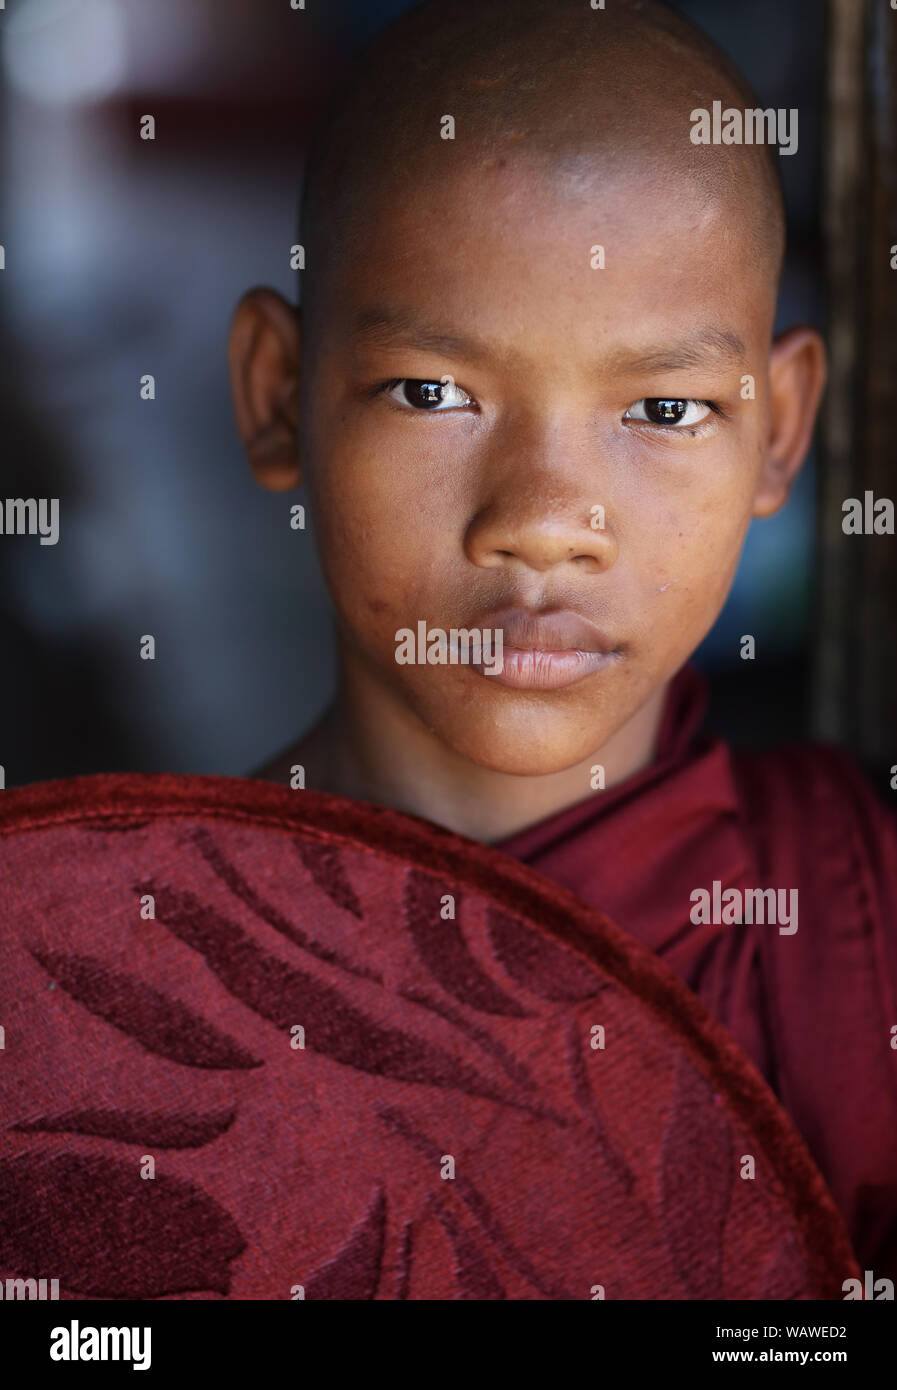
(448, 1129)
(813, 1010)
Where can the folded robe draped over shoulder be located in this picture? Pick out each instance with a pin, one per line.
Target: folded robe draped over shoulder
(815, 1010)
(270, 1044)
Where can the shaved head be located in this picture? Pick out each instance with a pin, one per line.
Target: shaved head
(535, 372)
(585, 95)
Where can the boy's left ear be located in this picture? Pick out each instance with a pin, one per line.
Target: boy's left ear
(263, 353)
(797, 374)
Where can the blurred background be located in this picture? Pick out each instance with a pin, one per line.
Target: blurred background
(125, 257)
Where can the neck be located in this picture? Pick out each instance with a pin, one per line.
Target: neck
(369, 747)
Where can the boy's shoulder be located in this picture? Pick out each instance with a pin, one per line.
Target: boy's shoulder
(818, 825)
(800, 800)
(816, 821)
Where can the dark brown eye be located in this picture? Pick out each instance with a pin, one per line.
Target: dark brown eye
(423, 394)
(661, 412)
(429, 395)
(669, 412)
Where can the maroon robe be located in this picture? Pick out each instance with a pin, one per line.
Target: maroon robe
(249, 1033)
(814, 1010)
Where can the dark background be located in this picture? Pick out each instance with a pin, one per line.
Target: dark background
(126, 257)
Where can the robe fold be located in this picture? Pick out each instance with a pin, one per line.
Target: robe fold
(258, 1044)
(264, 1044)
(815, 1010)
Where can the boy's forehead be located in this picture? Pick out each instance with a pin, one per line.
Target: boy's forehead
(512, 197)
(523, 248)
(599, 102)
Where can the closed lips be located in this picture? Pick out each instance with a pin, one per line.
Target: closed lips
(561, 631)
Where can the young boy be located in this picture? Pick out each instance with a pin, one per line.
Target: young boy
(540, 401)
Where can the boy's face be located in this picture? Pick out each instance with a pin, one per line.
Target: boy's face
(482, 513)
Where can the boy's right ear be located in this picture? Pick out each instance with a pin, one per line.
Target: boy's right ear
(263, 353)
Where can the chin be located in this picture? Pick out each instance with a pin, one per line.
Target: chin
(528, 766)
(519, 754)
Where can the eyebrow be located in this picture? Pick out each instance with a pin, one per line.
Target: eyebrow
(708, 347)
(388, 327)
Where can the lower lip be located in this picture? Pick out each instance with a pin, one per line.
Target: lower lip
(524, 669)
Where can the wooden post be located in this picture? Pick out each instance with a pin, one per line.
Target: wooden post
(855, 667)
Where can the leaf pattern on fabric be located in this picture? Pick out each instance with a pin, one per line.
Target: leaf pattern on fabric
(104, 1232)
(286, 996)
(423, 1037)
(159, 1023)
(443, 950)
(403, 1262)
(354, 1272)
(518, 1071)
(150, 1129)
(577, 1050)
(325, 864)
(397, 1120)
(543, 967)
(696, 1170)
(474, 1276)
(230, 875)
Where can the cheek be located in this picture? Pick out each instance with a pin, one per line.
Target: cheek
(378, 550)
(387, 509)
(688, 559)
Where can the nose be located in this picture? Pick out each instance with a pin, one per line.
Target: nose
(544, 511)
